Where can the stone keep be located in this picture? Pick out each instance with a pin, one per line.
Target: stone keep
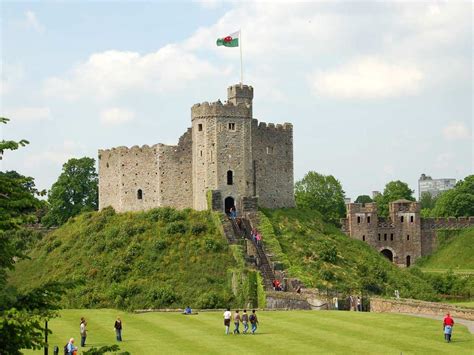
(227, 158)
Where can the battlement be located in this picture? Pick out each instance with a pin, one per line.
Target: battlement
(271, 126)
(218, 109)
(447, 223)
(240, 93)
(125, 150)
(361, 208)
(404, 206)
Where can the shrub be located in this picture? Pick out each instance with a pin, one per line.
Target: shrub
(162, 297)
(176, 228)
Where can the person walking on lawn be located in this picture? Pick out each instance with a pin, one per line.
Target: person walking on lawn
(227, 317)
(236, 322)
(83, 331)
(253, 321)
(118, 329)
(245, 321)
(448, 324)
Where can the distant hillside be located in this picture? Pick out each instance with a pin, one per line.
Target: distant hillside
(160, 258)
(322, 256)
(455, 251)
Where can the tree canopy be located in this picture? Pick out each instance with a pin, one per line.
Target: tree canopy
(363, 199)
(322, 193)
(75, 191)
(457, 202)
(393, 191)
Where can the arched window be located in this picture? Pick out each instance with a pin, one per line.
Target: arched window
(140, 194)
(230, 177)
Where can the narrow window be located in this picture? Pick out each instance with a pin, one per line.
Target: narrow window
(200, 127)
(408, 260)
(385, 236)
(363, 238)
(201, 152)
(411, 219)
(139, 194)
(358, 219)
(107, 165)
(231, 126)
(379, 236)
(401, 219)
(269, 150)
(408, 236)
(368, 219)
(391, 236)
(230, 177)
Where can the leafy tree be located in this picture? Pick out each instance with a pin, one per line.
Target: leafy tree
(10, 145)
(363, 199)
(457, 202)
(393, 191)
(427, 200)
(75, 191)
(321, 193)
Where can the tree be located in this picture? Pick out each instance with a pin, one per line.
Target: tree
(394, 190)
(427, 200)
(457, 202)
(322, 193)
(10, 145)
(75, 191)
(363, 199)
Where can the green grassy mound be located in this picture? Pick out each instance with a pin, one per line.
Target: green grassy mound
(155, 259)
(295, 332)
(322, 256)
(455, 251)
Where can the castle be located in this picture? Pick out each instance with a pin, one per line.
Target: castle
(226, 159)
(404, 236)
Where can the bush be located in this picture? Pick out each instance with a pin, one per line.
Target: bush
(176, 228)
(162, 297)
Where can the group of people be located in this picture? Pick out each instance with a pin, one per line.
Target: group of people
(355, 303)
(256, 236)
(71, 349)
(238, 318)
(277, 285)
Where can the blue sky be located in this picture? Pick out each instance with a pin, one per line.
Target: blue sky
(376, 91)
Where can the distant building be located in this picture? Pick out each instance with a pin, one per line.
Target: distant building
(347, 200)
(434, 186)
(375, 194)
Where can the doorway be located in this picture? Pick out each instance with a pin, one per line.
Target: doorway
(388, 254)
(228, 204)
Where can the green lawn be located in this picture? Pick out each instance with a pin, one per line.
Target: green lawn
(464, 304)
(295, 332)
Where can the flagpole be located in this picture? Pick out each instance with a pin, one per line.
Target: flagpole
(241, 66)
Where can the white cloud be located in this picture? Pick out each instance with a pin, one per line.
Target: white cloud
(107, 74)
(367, 78)
(28, 114)
(456, 131)
(32, 21)
(55, 154)
(115, 116)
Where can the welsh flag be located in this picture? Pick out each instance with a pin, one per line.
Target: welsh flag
(231, 40)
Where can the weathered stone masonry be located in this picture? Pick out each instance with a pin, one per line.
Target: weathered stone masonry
(226, 151)
(404, 236)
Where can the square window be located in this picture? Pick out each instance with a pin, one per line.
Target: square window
(231, 126)
(269, 150)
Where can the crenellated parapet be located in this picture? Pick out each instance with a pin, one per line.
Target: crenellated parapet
(122, 150)
(446, 223)
(273, 127)
(218, 109)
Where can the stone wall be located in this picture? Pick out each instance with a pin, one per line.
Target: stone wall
(272, 148)
(286, 300)
(381, 305)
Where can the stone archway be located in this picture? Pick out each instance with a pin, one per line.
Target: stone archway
(388, 254)
(229, 202)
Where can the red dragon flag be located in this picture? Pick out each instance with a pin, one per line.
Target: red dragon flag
(231, 40)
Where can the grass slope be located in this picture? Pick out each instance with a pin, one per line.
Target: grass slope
(455, 252)
(322, 256)
(295, 332)
(159, 258)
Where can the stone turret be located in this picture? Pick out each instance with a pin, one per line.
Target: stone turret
(240, 93)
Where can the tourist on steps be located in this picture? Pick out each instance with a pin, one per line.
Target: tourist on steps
(448, 324)
(118, 329)
(253, 321)
(83, 331)
(236, 322)
(245, 321)
(227, 317)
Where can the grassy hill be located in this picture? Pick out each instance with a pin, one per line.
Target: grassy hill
(295, 332)
(322, 256)
(160, 258)
(455, 252)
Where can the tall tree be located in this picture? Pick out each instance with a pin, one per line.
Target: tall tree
(75, 191)
(394, 190)
(322, 193)
(457, 202)
(427, 200)
(363, 199)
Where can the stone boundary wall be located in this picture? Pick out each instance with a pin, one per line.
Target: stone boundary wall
(381, 305)
(286, 300)
(447, 223)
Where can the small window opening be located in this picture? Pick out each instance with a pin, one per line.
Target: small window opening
(230, 177)
(139, 194)
(231, 126)
(379, 237)
(269, 150)
(411, 219)
(368, 219)
(201, 152)
(358, 219)
(385, 236)
(401, 219)
(391, 236)
(408, 236)
(363, 238)
(107, 165)
(408, 260)
(200, 127)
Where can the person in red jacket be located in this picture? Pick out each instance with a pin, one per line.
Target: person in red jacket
(448, 324)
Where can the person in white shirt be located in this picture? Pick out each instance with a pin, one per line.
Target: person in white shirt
(227, 318)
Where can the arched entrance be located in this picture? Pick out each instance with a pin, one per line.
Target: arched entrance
(228, 204)
(388, 254)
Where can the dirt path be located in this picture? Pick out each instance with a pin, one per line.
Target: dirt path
(468, 323)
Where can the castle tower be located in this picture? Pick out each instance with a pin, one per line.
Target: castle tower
(222, 148)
